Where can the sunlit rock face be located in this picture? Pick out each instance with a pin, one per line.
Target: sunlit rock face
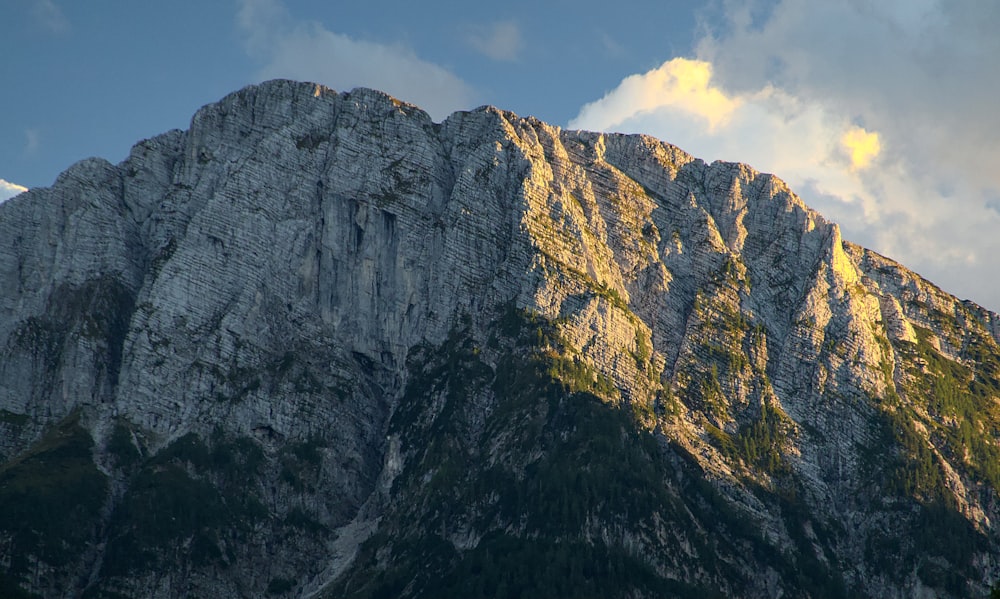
(319, 345)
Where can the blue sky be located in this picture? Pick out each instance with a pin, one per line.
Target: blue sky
(879, 113)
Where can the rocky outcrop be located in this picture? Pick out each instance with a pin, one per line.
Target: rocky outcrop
(309, 345)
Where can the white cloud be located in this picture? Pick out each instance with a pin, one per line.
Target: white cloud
(9, 190)
(678, 85)
(767, 127)
(50, 16)
(308, 51)
(499, 41)
(915, 81)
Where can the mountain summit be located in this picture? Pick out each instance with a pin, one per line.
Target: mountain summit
(318, 345)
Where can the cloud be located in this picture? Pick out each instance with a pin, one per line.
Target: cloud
(308, 51)
(500, 41)
(766, 127)
(792, 85)
(678, 85)
(9, 190)
(863, 146)
(992, 201)
(611, 46)
(50, 16)
(31, 141)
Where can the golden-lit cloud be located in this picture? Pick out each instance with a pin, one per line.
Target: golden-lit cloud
(862, 146)
(678, 84)
(9, 190)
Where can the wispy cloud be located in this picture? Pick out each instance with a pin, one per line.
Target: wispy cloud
(32, 141)
(914, 182)
(9, 190)
(50, 16)
(611, 46)
(499, 41)
(308, 51)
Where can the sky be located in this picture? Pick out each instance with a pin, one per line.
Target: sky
(881, 114)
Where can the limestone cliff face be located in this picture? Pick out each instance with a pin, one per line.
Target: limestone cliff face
(289, 349)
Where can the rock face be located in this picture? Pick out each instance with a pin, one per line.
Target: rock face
(320, 346)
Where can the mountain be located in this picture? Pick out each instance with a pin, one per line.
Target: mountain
(318, 345)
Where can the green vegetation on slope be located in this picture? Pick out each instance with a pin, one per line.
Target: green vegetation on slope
(522, 480)
(51, 500)
(184, 504)
(950, 413)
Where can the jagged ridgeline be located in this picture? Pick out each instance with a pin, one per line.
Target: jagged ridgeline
(318, 345)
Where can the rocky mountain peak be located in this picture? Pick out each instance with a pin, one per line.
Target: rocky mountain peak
(320, 345)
